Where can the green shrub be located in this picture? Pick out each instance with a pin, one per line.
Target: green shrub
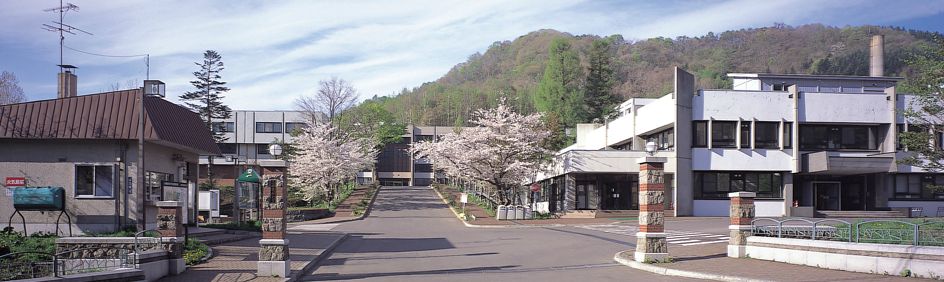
(194, 251)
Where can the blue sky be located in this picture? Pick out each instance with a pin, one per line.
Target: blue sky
(275, 51)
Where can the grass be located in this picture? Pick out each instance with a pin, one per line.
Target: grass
(447, 191)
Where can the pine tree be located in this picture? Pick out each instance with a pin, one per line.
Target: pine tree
(559, 93)
(207, 99)
(598, 97)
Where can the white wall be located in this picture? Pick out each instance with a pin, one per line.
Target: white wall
(655, 115)
(741, 159)
(712, 208)
(836, 108)
(769, 208)
(930, 207)
(745, 105)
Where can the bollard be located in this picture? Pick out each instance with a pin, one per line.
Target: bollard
(742, 213)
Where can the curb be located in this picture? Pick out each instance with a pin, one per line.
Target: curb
(296, 275)
(467, 224)
(625, 258)
(370, 205)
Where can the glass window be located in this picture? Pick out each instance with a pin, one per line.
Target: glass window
(227, 148)
(717, 185)
(723, 134)
(665, 139)
(224, 126)
(746, 134)
(700, 134)
(94, 181)
(153, 182)
(838, 137)
(765, 135)
(724, 182)
(787, 135)
(291, 127)
(268, 127)
(751, 182)
(262, 149)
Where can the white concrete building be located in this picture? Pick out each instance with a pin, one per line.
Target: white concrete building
(809, 145)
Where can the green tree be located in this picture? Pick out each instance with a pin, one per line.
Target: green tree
(925, 113)
(598, 89)
(559, 92)
(207, 99)
(370, 120)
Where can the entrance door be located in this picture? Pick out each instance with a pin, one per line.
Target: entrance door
(581, 201)
(828, 196)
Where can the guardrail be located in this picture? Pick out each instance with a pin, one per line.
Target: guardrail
(929, 233)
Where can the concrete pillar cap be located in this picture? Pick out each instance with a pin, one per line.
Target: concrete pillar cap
(742, 195)
(651, 159)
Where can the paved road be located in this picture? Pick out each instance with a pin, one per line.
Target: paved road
(412, 236)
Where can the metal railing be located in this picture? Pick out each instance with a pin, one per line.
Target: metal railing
(928, 233)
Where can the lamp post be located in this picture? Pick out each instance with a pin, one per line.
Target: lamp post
(274, 251)
(651, 148)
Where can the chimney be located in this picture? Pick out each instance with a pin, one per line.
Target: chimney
(68, 82)
(877, 56)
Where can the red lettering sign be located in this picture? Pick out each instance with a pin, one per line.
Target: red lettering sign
(15, 181)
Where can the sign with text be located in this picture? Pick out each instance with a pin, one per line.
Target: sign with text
(464, 198)
(535, 187)
(15, 182)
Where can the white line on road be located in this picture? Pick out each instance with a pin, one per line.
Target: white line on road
(685, 241)
(703, 243)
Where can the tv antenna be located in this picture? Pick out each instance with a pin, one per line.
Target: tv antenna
(62, 28)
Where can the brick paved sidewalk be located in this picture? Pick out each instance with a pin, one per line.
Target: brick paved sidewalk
(712, 259)
(236, 261)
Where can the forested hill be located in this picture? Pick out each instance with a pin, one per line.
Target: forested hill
(516, 69)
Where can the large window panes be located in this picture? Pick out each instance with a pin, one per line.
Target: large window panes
(700, 133)
(712, 185)
(765, 135)
(838, 137)
(665, 139)
(94, 181)
(723, 134)
(919, 186)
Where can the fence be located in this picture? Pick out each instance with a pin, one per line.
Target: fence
(84, 259)
(928, 233)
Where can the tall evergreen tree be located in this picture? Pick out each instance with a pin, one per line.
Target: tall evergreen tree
(559, 93)
(207, 99)
(598, 89)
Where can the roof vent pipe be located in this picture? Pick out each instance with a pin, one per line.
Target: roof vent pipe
(877, 56)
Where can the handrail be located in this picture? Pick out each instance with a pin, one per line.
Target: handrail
(843, 230)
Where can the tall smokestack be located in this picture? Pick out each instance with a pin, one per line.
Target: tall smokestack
(68, 82)
(877, 56)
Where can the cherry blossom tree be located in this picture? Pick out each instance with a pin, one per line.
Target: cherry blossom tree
(325, 157)
(503, 149)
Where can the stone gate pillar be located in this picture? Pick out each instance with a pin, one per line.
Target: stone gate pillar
(742, 213)
(650, 240)
(170, 225)
(273, 251)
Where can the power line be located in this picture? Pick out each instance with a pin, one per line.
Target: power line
(103, 55)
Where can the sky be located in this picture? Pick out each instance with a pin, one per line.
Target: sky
(277, 51)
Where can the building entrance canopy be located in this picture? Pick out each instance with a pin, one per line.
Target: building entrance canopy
(833, 163)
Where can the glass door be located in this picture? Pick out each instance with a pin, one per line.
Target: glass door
(581, 200)
(828, 196)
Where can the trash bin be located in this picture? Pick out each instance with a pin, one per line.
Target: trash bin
(501, 212)
(519, 212)
(528, 213)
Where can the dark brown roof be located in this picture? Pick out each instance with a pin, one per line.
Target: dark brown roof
(109, 115)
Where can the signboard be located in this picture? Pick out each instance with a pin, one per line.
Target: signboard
(535, 187)
(15, 182)
(464, 198)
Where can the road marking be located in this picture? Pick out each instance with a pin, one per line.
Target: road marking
(314, 227)
(678, 237)
(703, 243)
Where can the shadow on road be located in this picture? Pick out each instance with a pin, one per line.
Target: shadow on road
(335, 276)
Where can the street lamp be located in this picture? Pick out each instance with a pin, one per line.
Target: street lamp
(651, 148)
(275, 150)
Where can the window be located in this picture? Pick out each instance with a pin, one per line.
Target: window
(781, 87)
(94, 181)
(919, 186)
(268, 127)
(262, 149)
(838, 137)
(664, 139)
(700, 134)
(716, 185)
(423, 168)
(153, 182)
(746, 134)
(723, 134)
(291, 127)
(765, 135)
(227, 148)
(223, 127)
(787, 135)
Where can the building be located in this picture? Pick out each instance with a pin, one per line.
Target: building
(396, 166)
(248, 135)
(808, 145)
(88, 145)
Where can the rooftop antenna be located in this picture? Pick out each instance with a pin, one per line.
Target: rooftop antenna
(62, 28)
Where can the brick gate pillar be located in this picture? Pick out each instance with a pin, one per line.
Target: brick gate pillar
(650, 240)
(170, 225)
(273, 248)
(742, 213)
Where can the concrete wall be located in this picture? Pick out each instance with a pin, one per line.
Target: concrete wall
(718, 105)
(921, 261)
(930, 207)
(856, 108)
(742, 159)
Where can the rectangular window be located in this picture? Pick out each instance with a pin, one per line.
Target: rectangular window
(423, 168)
(223, 127)
(723, 134)
(268, 127)
(746, 134)
(94, 181)
(665, 139)
(787, 135)
(262, 149)
(765, 135)
(716, 185)
(227, 148)
(293, 127)
(700, 134)
(838, 137)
